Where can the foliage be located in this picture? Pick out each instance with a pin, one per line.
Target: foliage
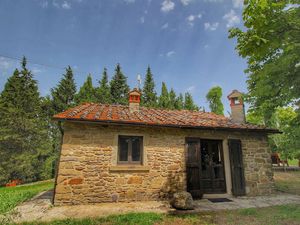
(164, 99)
(189, 102)
(24, 144)
(214, 97)
(179, 102)
(103, 91)
(64, 94)
(118, 87)
(172, 96)
(271, 44)
(149, 97)
(87, 92)
(12, 196)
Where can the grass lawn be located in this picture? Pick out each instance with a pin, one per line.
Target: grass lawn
(277, 215)
(288, 182)
(293, 162)
(10, 197)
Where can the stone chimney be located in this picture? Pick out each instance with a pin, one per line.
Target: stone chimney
(134, 100)
(237, 107)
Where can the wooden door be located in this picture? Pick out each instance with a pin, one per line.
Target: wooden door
(237, 167)
(212, 179)
(193, 167)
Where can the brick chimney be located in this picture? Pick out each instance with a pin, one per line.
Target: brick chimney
(134, 100)
(237, 107)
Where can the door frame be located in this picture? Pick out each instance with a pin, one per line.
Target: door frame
(225, 158)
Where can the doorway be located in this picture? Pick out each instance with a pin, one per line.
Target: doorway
(205, 167)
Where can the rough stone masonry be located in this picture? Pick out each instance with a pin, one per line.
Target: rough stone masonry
(88, 170)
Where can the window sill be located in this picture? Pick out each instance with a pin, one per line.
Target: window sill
(129, 168)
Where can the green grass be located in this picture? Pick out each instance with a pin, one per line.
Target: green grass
(276, 215)
(293, 162)
(288, 182)
(10, 197)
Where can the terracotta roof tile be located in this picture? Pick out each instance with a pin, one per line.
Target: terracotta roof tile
(158, 117)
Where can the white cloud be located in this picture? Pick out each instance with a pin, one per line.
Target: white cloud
(191, 18)
(191, 89)
(142, 19)
(211, 26)
(36, 70)
(170, 53)
(232, 18)
(129, 1)
(44, 4)
(167, 5)
(6, 63)
(186, 2)
(165, 26)
(238, 3)
(66, 5)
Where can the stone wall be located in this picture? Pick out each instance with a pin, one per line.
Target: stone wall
(88, 170)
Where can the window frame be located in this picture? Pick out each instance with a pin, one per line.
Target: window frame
(129, 154)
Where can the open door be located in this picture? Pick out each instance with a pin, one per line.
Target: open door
(237, 167)
(193, 167)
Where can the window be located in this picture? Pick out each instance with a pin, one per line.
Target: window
(130, 150)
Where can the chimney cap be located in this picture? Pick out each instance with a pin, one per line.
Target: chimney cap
(235, 94)
(134, 91)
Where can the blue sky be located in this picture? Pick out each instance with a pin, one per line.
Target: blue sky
(184, 41)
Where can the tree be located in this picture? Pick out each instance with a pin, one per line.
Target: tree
(23, 132)
(64, 94)
(87, 92)
(271, 45)
(189, 102)
(103, 92)
(179, 103)
(118, 87)
(149, 98)
(172, 96)
(164, 99)
(214, 97)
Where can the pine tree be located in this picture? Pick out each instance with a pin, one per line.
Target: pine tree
(214, 97)
(189, 102)
(164, 99)
(63, 95)
(103, 92)
(23, 131)
(118, 87)
(179, 103)
(172, 96)
(87, 92)
(149, 97)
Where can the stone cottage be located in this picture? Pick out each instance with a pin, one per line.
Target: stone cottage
(122, 153)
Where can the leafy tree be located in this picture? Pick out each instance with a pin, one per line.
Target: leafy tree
(214, 97)
(172, 96)
(271, 45)
(87, 92)
(64, 94)
(189, 102)
(103, 92)
(164, 99)
(118, 87)
(149, 97)
(179, 102)
(23, 131)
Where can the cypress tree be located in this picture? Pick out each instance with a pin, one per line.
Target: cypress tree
(214, 97)
(118, 87)
(172, 96)
(23, 132)
(179, 103)
(64, 93)
(87, 92)
(164, 99)
(149, 97)
(189, 102)
(103, 91)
